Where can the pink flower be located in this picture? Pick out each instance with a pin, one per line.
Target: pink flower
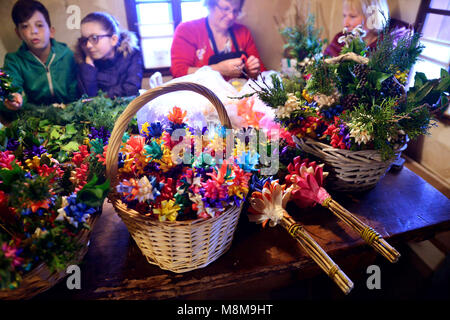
(10, 252)
(214, 190)
(6, 158)
(307, 179)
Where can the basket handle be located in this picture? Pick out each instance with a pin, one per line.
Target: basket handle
(122, 122)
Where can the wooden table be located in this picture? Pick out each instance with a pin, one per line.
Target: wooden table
(401, 207)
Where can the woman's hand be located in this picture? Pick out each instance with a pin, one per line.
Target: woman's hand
(15, 103)
(229, 68)
(252, 67)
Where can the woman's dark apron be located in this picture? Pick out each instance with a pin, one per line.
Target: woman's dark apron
(220, 56)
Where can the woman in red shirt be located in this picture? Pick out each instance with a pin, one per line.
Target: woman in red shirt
(217, 41)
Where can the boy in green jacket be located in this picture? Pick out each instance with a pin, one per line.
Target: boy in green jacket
(43, 69)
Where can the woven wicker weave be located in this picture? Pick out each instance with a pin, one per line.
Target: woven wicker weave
(177, 246)
(41, 279)
(349, 170)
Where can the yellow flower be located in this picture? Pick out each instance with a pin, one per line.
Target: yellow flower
(127, 165)
(401, 76)
(33, 163)
(168, 211)
(238, 191)
(307, 96)
(144, 128)
(165, 162)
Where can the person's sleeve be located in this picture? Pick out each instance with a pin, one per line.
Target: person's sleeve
(72, 85)
(182, 51)
(87, 80)
(249, 46)
(334, 48)
(133, 80)
(12, 68)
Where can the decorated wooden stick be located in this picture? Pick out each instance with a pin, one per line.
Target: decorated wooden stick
(269, 206)
(306, 180)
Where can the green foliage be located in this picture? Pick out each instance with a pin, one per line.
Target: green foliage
(55, 248)
(303, 41)
(272, 96)
(378, 121)
(294, 85)
(323, 78)
(92, 194)
(395, 52)
(357, 45)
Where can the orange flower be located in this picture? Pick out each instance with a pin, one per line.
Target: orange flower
(176, 115)
(245, 110)
(40, 204)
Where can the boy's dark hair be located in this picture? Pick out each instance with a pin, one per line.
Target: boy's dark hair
(24, 9)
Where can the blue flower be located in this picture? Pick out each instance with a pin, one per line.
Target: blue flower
(247, 161)
(155, 130)
(101, 133)
(257, 183)
(78, 211)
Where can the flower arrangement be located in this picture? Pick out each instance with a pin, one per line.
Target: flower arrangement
(43, 206)
(172, 171)
(52, 183)
(358, 101)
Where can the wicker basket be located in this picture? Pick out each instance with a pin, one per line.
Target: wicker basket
(41, 279)
(349, 170)
(177, 246)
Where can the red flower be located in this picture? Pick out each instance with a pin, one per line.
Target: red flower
(78, 157)
(102, 157)
(167, 191)
(135, 145)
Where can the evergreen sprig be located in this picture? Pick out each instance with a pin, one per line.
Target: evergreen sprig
(304, 40)
(323, 78)
(395, 51)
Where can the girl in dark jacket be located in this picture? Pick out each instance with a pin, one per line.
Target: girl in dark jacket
(109, 59)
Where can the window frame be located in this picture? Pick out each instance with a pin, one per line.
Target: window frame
(425, 9)
(132, 20)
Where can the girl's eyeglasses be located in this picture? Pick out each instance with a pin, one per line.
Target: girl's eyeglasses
(93, 39)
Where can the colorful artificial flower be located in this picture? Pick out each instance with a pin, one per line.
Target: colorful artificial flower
(12, 253)
(248, 161)
(268, 205)
(76, 212)
(153, 130)
(177, 115)
(292, 104)
(299, 171)
(6, 159)
(168, 210)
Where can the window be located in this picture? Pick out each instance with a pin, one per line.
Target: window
(154, 21)
(433, 21)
